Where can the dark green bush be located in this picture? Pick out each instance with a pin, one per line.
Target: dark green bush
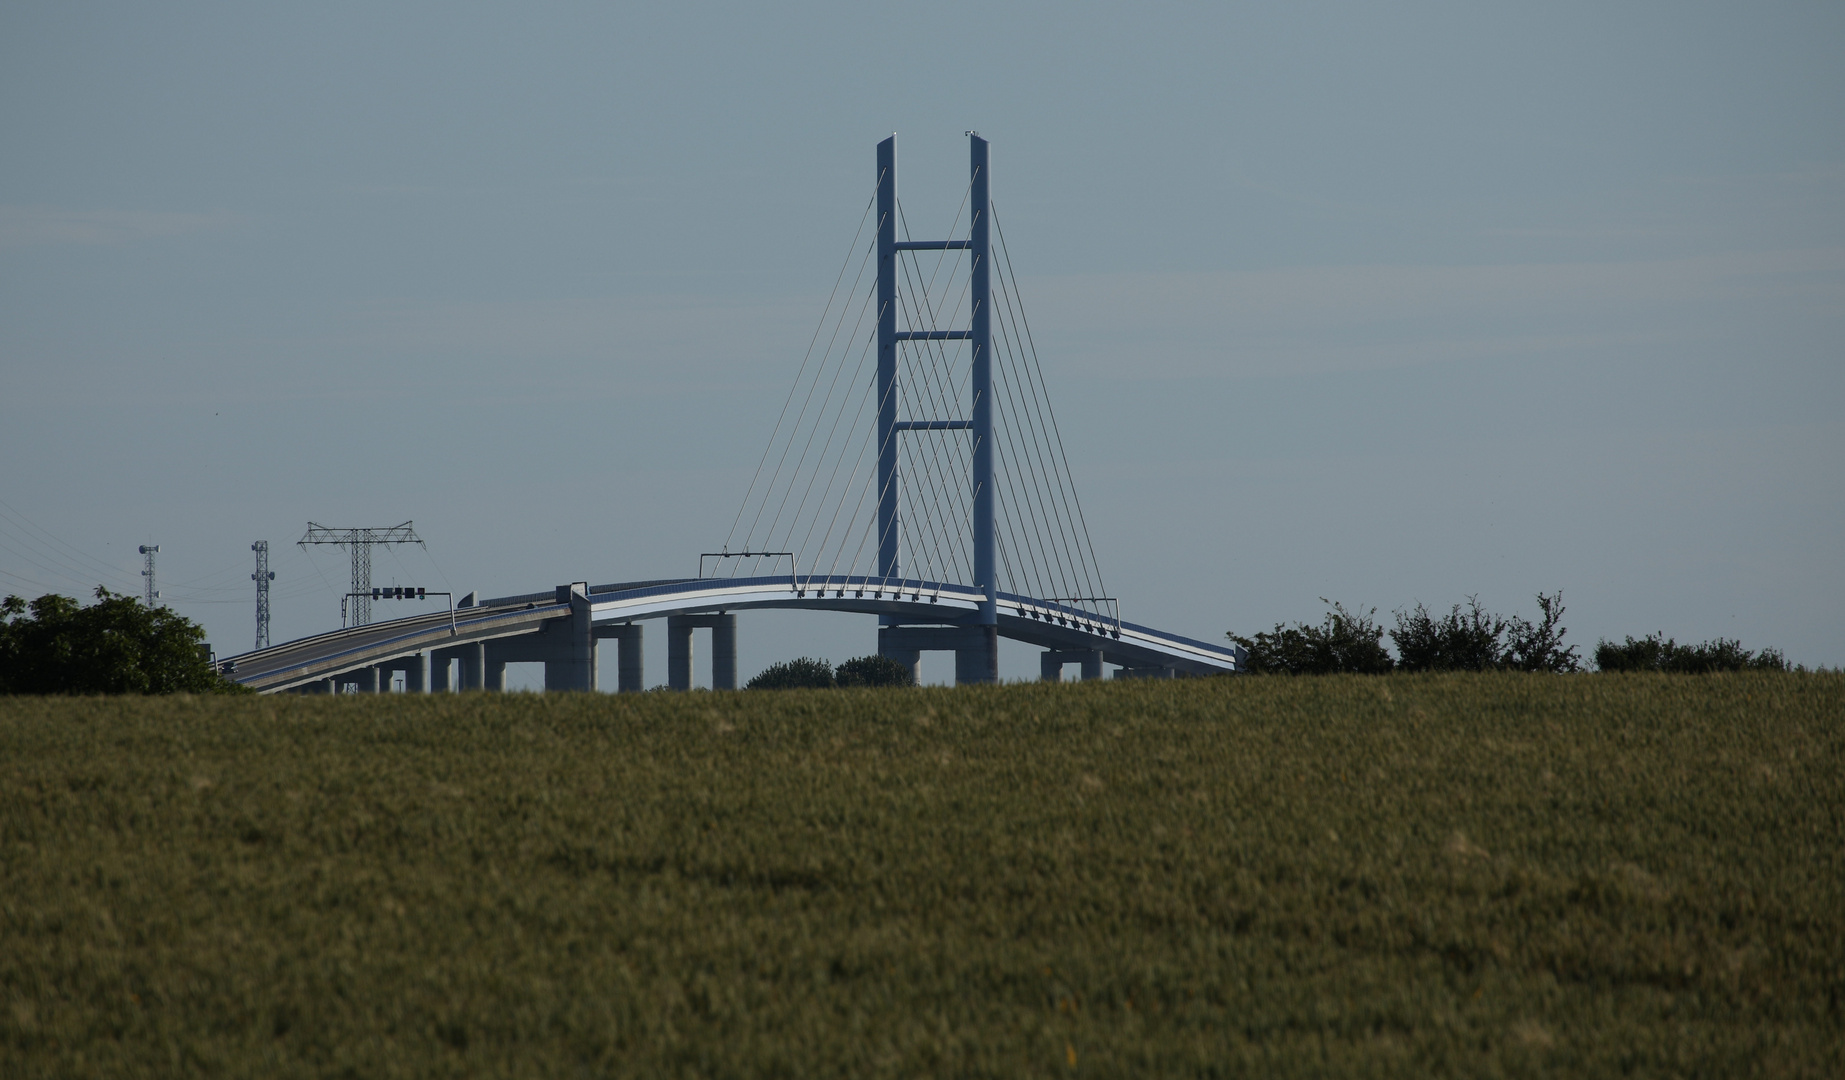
(802, 673)
(1656, 652)
(115, 646)
(874, 671)
(1462, 640)
(1343, 642)
(1539, 646)
(1473, 639)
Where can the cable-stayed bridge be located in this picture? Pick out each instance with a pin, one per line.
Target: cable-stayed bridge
(916, 472)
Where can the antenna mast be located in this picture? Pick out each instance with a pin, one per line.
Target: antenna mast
(262, 577)
(149, 593)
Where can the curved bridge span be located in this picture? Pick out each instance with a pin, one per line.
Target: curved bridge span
(965, 478)
(561, 629)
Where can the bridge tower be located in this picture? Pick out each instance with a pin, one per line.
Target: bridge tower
(979, 334)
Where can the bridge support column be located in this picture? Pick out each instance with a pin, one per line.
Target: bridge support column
(496, 675)
(438, 670)
(723, 626)
(976, 648)
(678, 653)
(980, 660)
(631, 671)
(474, 666)
(575, 668)
(724, 653)
(909, 658)
(630, 675)
(1050, 665)
(366, 677)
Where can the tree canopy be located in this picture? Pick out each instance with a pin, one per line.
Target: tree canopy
(874, 670)
(1344, 641)
(1467, 638)
(1656, 652)
(808, 673)
(799, 674)
(55, 645)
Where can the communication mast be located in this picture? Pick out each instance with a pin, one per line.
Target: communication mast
(149, 593)
(262, 577)
(360, 542)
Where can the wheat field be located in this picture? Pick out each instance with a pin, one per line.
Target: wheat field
(1465, 875)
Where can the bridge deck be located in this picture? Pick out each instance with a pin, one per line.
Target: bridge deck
(1044, 623)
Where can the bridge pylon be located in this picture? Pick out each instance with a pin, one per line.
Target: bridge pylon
(984, 539)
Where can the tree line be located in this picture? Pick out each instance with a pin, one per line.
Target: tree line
(1470, 638)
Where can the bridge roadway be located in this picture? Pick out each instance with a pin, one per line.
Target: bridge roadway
(560, 628)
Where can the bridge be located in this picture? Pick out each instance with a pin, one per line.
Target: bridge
(974, 531)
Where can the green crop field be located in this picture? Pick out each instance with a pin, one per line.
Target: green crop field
(1341, 876)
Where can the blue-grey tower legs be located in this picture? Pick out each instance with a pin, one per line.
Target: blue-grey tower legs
(977, 657)
(986, 577)
(888, 480)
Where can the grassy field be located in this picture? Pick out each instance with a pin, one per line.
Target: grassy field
(1461, 876)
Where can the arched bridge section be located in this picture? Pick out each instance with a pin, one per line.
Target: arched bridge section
(563, 627)
(916, 473)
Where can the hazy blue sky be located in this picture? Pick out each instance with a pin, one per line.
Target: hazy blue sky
(1381, 303)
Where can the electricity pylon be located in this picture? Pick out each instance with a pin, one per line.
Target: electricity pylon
(361, 541)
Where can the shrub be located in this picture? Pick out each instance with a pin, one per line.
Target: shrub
(1656, 652)
(875, 671)
(1539, 646)
(1462, 640)
(115, 646)
(1473, 639)
(802, 673)
(1343, 642)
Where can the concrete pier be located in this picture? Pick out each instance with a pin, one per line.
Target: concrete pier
(571, 663)
(1050, 664)
(439, 661)
(474, 666)
(630, 674)
(976, 649)
(679, 649)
